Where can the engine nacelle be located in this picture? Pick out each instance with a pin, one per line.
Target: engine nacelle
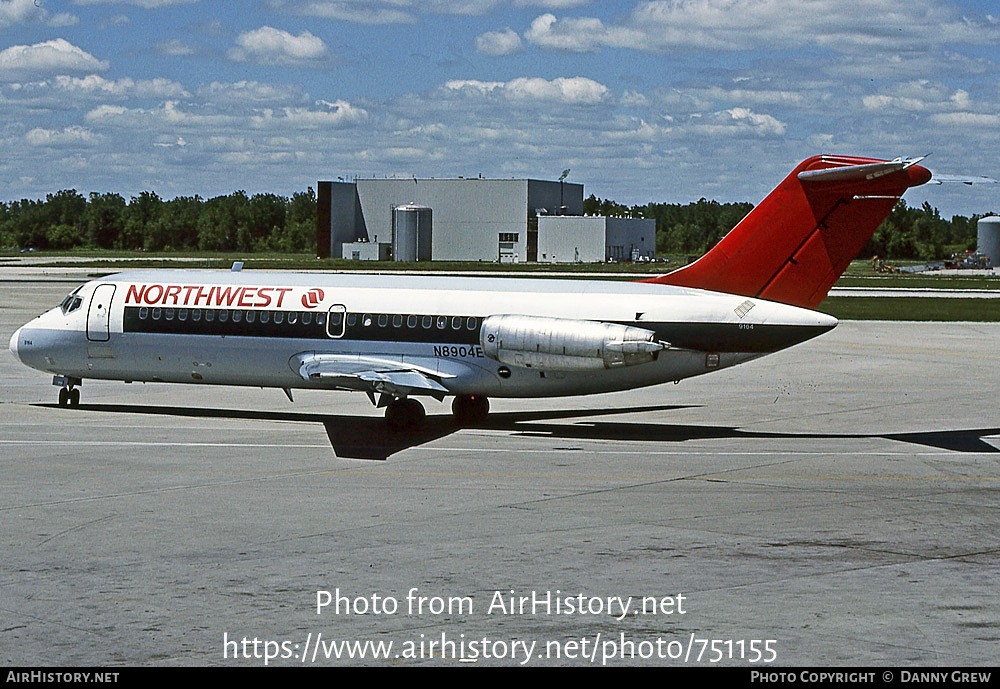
(566, 344)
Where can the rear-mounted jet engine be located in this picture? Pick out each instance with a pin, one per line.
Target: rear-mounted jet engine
(566, 344)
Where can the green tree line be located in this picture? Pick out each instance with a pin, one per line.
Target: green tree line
(694, 228)
(236, 222)
(267, 222)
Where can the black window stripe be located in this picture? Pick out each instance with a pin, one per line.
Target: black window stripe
(263, 324)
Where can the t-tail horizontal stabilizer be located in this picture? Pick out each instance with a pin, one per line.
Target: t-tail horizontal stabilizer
(800, 239)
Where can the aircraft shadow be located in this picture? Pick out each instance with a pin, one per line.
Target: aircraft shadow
(364, 437)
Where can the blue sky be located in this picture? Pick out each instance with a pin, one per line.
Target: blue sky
(668, 100)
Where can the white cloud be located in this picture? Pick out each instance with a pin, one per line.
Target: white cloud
(406, 11)
(571, 90)
(581, 35)
(120, 88)
(728, 25)
(551, 4)
(57, 56)
(497, 43)
(921, 95)
(63, 91)
(967, 119)
(335, 115)
(70, 136)
(252, 93)
(172, 117)
(365, 12)
(14, 12)
(174, 47)
(19, 12)
(145, 4)
(270, 46)
(764, 125)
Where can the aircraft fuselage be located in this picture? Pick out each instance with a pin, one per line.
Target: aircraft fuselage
(279, 329)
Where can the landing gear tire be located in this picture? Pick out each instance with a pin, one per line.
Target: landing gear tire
(405, 415)
(470, 410)
(69, 397)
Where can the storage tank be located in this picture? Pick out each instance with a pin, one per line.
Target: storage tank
(411, 233)
(988, 238)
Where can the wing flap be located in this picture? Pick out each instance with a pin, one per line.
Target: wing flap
(383, 375)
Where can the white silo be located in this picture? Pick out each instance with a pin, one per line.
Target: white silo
(411, 237)
(988, 238)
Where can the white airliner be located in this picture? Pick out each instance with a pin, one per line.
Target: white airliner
(398, 337)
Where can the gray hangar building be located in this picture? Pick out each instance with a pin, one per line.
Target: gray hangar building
(474, 219)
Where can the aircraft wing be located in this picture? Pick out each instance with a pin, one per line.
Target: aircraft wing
(371, 374)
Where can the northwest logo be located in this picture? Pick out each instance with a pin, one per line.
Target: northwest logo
(312, 298)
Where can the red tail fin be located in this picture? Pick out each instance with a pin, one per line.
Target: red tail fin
(801, 238)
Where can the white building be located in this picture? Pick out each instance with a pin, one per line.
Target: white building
(593, 239)
(477, 220)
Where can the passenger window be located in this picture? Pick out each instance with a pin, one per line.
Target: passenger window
(456, 323)
(321, 319)
(411, 321)
(251, 316)
(397, 321)
(307, 318)
(156, 314)
(293, 318)
(265, 316)
(209, 315)
(143, 313)
(196, 315)
(427, 322)
(367, 320)
(169, 314)
(182, 314)
(352, 320)
(223, 315)
(335, 319)
(383, 320)
(470, 323)
(442, 322)
(279, 317)
(237, 316)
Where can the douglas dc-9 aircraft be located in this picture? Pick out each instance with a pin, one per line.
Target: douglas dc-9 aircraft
(399, 337)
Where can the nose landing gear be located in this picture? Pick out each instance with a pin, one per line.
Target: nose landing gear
(69, 397)
(69, 394)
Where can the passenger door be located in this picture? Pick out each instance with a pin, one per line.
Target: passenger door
(99, 314)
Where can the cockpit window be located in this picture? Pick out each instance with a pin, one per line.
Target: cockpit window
(72, 302)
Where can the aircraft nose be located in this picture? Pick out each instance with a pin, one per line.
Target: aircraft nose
(12, 346)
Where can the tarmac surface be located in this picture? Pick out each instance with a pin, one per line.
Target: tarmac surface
(833, 504)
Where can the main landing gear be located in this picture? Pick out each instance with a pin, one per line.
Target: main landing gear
(470, 410)
(407, 414)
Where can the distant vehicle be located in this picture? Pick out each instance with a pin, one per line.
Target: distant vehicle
(397, 337)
